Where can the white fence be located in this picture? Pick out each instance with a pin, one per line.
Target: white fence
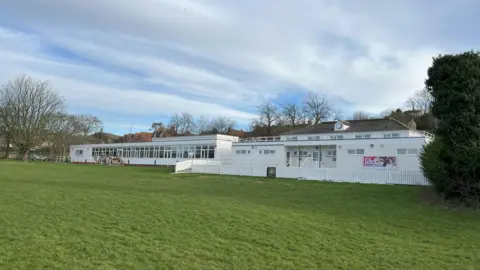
(323, 174)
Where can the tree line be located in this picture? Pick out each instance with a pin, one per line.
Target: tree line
(33, 115)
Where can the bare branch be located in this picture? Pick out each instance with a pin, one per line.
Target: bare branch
(26, 108)
(317, 109)
(292, 114)
(360, 115)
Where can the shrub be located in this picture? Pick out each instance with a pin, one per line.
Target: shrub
(433, 166)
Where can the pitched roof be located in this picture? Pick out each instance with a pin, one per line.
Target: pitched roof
(368, 125)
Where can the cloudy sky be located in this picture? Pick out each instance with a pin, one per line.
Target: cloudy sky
(135, 62)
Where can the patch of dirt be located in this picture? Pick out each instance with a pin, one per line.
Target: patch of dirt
(428, 195)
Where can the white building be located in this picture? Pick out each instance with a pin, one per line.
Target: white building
(340, 151)
(161, 151)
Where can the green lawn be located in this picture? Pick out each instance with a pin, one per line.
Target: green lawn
(80, 216)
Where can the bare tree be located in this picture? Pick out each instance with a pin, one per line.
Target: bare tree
(269, 116)
(386, 112)
(62, 129)
(182, 124)
(222, 125)
(202, 125)
(88, 124)
(26, 108)
(187, 124)
(420, 100)
(317, 109)
(424, 100)
(292, 114)
(337, 114)
(360, 115)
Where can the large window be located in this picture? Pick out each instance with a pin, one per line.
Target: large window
(336, 137)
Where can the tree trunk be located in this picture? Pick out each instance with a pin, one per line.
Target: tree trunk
(25, 155)
(7, 148)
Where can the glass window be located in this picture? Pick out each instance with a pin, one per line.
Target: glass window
(367, 136)
(211, 153)
(351, 151)
(401, 151)
(272, 152)
(244, 152)
(174, 152)
(198, 152)
(412, 151)
(358, 136)
(395, 135)
(238, 152)
(260, 152)
(360, 151)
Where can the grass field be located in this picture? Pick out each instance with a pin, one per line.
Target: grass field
(80, 216)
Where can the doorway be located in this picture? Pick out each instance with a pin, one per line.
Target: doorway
(204, 153)
(168, 154)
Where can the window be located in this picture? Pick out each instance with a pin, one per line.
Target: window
(355, 151)
(211, 152)
(404, 151)
(336, 137)
(238, 152)
(363, 136)
(260, 152)
(391, 135)
(412, 151)
(313, 138)
(294, 138)
(332, 153)
(78, 152)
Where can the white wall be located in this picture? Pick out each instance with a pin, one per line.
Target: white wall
(253, 155)
(380, 148)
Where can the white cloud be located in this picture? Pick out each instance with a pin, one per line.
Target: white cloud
(228, 55)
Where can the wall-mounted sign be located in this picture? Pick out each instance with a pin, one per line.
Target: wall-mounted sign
(380, 163)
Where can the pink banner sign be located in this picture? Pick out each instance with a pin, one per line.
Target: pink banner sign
(381, 163)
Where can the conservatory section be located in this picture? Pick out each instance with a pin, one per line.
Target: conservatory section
(157, 152)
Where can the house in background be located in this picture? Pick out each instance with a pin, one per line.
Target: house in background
(137, 137)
